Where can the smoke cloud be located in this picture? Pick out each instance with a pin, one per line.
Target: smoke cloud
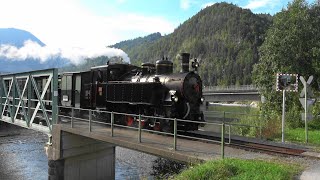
(76, 55)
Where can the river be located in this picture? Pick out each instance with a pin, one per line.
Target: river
(22, 157)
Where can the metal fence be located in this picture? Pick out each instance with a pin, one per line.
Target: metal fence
(90, 117)
(241, 123)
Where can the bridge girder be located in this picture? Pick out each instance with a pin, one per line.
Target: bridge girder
(23, 95)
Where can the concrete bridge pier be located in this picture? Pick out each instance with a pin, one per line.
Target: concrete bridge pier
(80, 158)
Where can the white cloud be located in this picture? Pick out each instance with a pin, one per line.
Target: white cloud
(207, 4)
(62, 23)
(256, 4)
(74, 55)
(185, 4)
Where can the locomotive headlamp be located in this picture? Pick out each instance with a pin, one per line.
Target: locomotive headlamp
(176, 99)
(195, 64)
(202, 99)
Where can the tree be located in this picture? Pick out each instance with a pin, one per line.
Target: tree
(291, 46)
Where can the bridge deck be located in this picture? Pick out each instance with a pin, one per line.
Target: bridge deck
(189, 151)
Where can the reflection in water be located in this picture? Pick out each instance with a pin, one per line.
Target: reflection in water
(22, 154)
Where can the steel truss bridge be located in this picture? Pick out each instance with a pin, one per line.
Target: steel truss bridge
(86, 143)
(24, 97)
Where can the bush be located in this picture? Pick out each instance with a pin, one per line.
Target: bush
(293, 117)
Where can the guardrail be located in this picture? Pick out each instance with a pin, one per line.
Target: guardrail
(110, 116)
(236, 120)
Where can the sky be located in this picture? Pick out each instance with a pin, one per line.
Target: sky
(97, 23)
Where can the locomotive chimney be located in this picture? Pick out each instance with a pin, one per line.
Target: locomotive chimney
(184, 57)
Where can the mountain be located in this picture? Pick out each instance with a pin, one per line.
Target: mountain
(223, 36)
(17, 37)
(129, 44)
(135, 46)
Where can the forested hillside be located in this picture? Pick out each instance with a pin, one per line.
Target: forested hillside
(135, 46)
(223, 36)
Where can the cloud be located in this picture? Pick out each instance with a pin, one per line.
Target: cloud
(256, 4)
(69, 24)
(32, 50)
(185, 4)
(207, 4)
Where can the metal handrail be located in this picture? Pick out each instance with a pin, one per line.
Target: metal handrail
(140, 129)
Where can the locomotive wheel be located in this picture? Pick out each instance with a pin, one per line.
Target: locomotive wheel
(157, 126)
(167, 127)
(129, 121)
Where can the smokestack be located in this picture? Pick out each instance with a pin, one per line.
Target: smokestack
(184, 57)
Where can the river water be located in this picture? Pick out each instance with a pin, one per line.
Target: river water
(22, 157)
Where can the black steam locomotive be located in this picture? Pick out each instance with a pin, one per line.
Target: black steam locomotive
(151, 90)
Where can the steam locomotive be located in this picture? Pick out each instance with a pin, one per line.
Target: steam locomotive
(151, 90)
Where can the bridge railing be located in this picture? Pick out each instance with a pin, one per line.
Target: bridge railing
(95, 120)
(242, 124)
(91, 118)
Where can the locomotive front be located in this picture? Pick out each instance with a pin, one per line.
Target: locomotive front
(180, 94)
(185, 92)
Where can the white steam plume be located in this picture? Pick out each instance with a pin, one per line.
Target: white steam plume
(76, 55)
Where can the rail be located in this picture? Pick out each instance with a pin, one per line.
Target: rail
(91, 117)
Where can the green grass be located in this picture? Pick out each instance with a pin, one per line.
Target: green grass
(240, 169)
(233, 112)
(234, 109)
(239, 116)
(298, 135)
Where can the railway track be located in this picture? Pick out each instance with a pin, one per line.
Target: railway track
(246, 145)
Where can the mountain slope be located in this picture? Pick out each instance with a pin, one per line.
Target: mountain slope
(225, 37)
(16, 37)
(11, 37)
(135, 46)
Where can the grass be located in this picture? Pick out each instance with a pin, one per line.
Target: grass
(240, 169)
(235, 109)
(298, 135)
(233, 112)
(246, 116)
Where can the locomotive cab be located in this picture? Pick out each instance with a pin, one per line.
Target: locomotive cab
(70, 89)
(102, 77)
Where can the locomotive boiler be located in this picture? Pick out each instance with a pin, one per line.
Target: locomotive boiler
(151, 90)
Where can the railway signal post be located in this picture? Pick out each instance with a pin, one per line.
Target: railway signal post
(286, 82)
